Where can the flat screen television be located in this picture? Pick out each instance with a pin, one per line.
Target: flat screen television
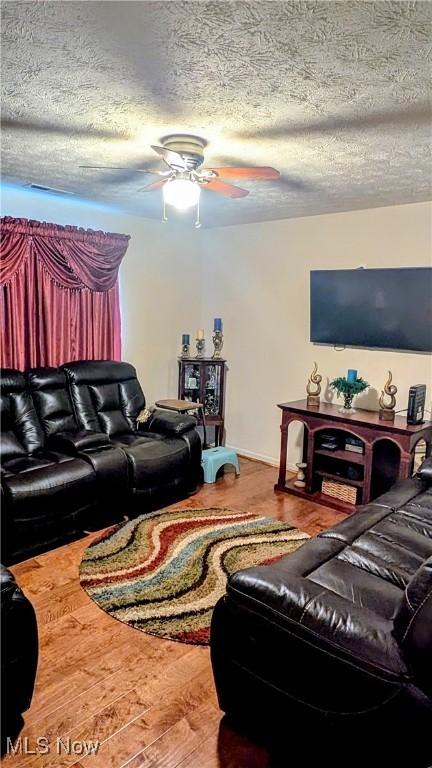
(384, 308)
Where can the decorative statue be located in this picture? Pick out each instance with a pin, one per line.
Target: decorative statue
(313, 388)
(387, 412)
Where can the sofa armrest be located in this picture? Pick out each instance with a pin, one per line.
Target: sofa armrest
(8, 585)
(74, 442)
(170, 423)
(19, 653)
(425, 471)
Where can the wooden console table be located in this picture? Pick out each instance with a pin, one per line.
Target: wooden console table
(388, 451)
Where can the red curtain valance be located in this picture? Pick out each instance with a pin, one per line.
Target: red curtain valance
(58, 293)
(74, 258)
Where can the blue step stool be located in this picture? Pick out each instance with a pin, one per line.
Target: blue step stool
(214, 458)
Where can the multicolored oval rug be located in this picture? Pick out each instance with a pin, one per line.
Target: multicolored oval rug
(163, 573)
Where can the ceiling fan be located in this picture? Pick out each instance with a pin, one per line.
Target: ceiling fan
(182, 183)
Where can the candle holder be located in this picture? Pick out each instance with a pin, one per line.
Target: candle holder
(217, 344)
(185, 345)
(200, 347)
(299, 482)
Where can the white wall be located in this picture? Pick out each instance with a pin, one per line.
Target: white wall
(160, 281)
(256, 277)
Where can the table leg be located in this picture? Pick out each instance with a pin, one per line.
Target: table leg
(309, 437)
(283, 451)
(204, 428)
(366, 492)
(405, 465)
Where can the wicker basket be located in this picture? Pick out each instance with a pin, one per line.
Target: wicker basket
(340, 491)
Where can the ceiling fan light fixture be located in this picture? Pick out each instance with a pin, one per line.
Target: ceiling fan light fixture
(181, 193)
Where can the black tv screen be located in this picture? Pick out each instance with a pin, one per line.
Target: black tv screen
(385, 308)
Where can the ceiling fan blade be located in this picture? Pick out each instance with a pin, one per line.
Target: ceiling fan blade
(296, 183)
(251, 173)
(173, 159)
(117, 168)
(125, 175)
(154, 185)
(227, 190)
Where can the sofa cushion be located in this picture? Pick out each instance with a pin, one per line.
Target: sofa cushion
(82, 440)
(11, 448)
(21, 431)
(156, 462)
(65, 437)
(107, 396)
(318, 614)
(51, 398)
(140, 438)
(26, 464)
(353, 526)
(107, 402)
(383, 546)
(53, 489)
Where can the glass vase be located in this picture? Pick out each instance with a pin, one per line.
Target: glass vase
(347, 406)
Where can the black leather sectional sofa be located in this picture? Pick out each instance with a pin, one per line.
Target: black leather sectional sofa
(74, 457)
(327, 653)
(19, 657)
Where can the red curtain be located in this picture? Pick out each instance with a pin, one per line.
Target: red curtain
(58, 294)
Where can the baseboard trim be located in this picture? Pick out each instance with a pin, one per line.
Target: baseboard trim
(262, 458)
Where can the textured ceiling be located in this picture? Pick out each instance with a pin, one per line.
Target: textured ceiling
(333, 94)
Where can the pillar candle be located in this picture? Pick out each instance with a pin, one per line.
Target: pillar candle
(185, 338)
(217, 324)
(351, 375)
(200, 334)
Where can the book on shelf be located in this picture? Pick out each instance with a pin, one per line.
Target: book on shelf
(328, 441)
(354, 444)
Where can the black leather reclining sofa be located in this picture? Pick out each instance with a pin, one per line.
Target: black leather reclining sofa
(19, 657)
(73, 456)
(327, 653)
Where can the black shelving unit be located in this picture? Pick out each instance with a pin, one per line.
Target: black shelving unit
(202, 380)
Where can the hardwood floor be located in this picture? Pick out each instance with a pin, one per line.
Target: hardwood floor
(150, 702)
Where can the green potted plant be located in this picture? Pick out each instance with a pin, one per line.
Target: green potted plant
(348, 389)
